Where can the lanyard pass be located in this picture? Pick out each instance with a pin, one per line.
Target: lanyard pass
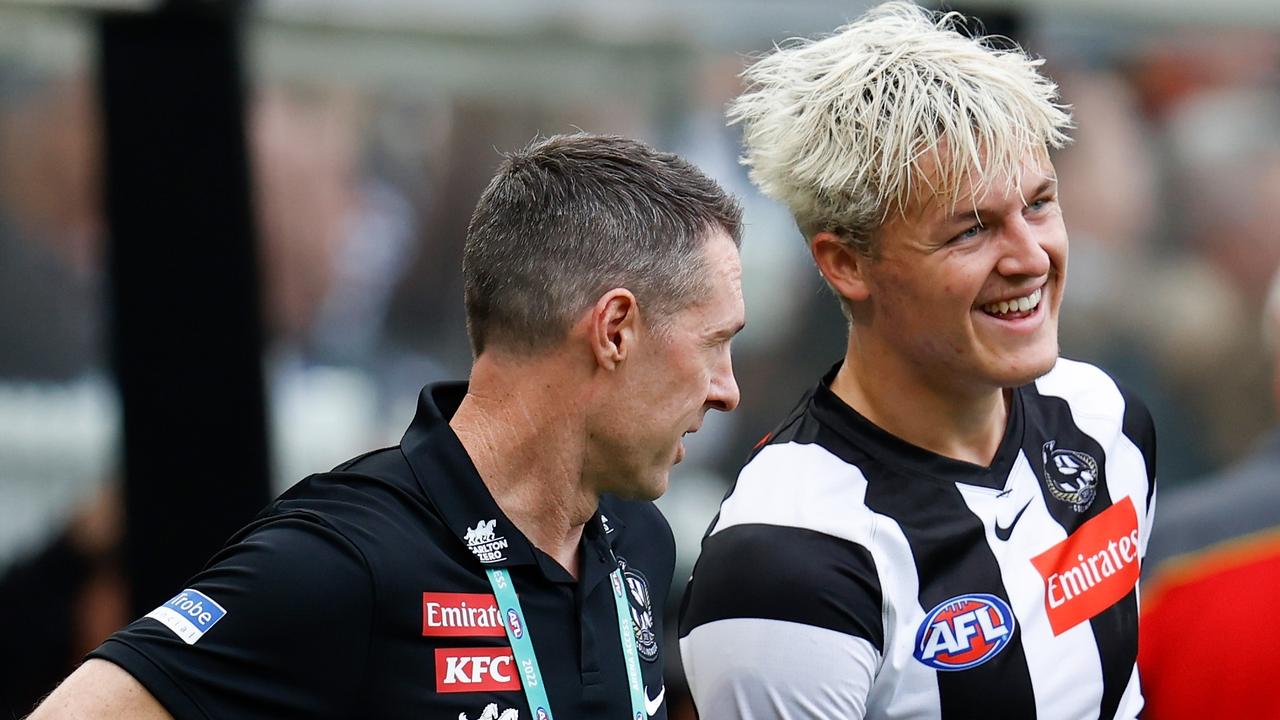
(517, 630)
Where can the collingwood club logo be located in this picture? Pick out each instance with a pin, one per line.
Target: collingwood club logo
(481, 541)
(1070, 476)
(641, 611)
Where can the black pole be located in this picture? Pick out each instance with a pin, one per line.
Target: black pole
(184, 288)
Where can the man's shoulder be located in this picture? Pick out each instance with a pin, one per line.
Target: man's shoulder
(800, 484)
(374, 501)
(1091, 392)
(1083, 384)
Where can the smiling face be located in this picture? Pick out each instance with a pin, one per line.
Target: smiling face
(966, 299)
(679, 370)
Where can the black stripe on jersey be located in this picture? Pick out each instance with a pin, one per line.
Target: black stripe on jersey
(1141, 431)
(752, 571)
(949, 543)
(1114, 629)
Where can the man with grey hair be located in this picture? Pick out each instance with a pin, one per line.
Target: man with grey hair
(1208, 624)
(503, 561)
(950, 524)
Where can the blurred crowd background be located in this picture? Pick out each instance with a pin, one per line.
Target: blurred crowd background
(372, 126)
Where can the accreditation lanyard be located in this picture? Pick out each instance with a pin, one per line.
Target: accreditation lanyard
(527, 660)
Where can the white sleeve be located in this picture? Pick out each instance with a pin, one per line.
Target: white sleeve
(745, 668)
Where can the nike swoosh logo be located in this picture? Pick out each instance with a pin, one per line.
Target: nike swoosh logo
(651, 706)
(1004, 533)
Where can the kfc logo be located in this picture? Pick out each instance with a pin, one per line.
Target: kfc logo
(1092, 569)
(475, 670)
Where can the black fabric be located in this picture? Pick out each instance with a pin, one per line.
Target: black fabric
(1141, 430)
(753, 571)
(324, 597)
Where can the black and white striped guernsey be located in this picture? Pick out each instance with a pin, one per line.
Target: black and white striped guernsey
(850, 574)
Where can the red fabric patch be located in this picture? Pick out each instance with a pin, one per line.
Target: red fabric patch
(461, 615)
(475, 670)
(1092, 569)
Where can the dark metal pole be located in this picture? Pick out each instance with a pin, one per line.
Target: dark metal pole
(184, 288)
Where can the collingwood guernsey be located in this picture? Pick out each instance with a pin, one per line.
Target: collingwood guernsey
(850, 574)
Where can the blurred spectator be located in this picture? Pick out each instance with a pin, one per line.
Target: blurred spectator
(1224, 148)
(50, 228)
(60, 587)
(1209, 629)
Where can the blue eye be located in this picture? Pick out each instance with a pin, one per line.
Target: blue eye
(968, 234)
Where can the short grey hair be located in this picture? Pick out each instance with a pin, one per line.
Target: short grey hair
(572, 216)
(838, 128)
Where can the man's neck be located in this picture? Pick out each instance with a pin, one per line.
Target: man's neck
(524, 440)
(966, 426)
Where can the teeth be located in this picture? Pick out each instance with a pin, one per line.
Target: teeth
(1022, 304)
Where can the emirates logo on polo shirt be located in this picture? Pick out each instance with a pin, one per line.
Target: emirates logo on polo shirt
(1092, 569)
(461, 615)
(475, 670)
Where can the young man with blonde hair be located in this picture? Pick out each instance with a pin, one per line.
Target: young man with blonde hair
(950, 524)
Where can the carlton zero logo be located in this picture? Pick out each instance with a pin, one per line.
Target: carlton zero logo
(461, 615)
(189, 615)
(1092, 569)
(481, 540)
(475, 670)
(964, 632)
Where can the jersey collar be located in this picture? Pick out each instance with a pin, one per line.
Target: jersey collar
(892, 451)
(453, 485)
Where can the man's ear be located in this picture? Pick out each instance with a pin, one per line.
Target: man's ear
(843, 267)
(612, 327)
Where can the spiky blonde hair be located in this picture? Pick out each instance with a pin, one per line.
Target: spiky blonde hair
(838, 128)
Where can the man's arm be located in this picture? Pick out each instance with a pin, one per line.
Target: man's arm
(100, 689)
(781, 622)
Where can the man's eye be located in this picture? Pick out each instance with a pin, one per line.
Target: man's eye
(968, 234)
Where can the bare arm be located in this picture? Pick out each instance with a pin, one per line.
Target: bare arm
(100, 689)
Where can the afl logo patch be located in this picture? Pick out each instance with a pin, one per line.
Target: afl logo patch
(513, 622)
(641, 611)
(964, 632)
(1070, 476)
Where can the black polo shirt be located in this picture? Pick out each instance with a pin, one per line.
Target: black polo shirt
(361, 593)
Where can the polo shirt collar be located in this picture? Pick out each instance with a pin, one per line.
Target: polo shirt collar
(453, 485)
(451, 482)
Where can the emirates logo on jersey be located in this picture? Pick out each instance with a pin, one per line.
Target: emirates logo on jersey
(1091, 570)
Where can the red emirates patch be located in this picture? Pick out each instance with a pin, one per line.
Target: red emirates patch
(1092, 569)
(475, 670)
(461, 615)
